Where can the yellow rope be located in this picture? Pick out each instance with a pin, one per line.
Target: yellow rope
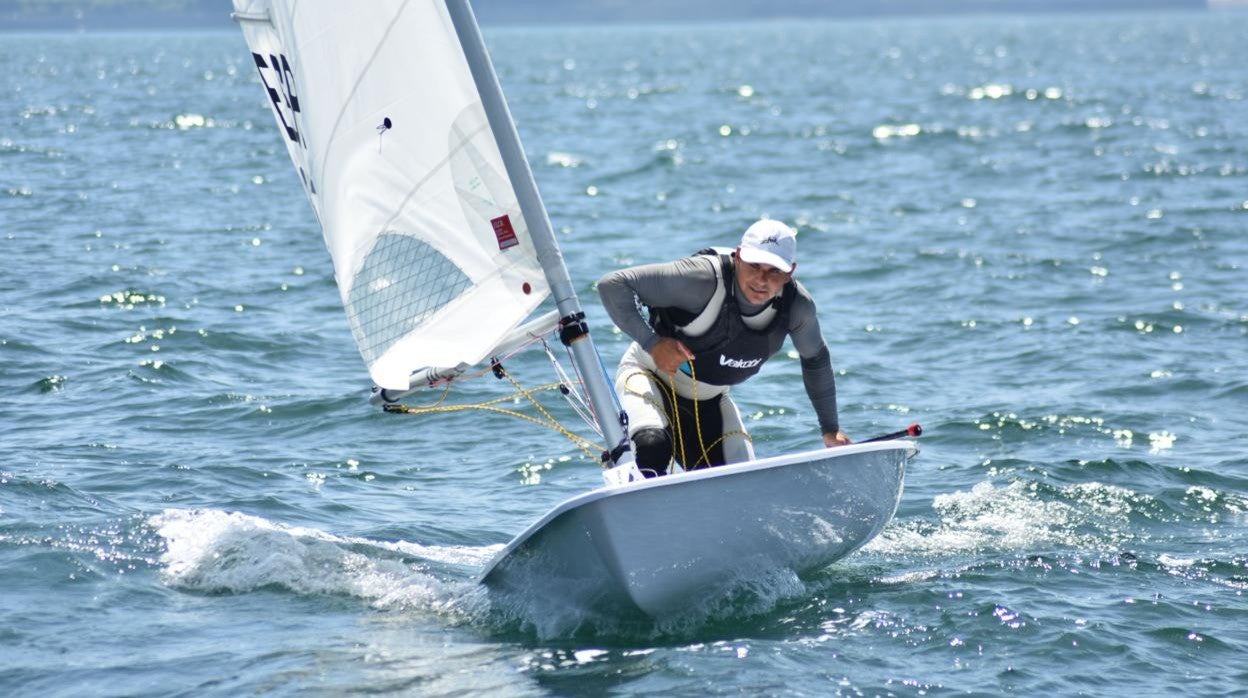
(697, 417)
(673, 419)
(529, 394)
(550, 422)
(706, 458)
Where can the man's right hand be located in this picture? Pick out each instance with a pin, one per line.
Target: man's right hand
(669, 354)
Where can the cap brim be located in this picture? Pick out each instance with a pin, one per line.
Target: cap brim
(754, 255)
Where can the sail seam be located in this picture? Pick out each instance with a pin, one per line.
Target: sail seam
(333, 132)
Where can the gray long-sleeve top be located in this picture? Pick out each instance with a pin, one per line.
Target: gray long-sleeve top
(688, 284)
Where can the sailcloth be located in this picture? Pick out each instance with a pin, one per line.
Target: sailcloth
(377, 106)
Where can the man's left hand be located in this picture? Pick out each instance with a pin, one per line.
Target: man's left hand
(838, 439)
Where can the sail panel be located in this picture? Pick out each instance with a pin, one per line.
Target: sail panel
(381, 118)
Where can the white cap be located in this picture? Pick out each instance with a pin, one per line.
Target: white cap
(770, 242)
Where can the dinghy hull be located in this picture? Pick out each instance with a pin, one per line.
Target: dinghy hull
(662, 544)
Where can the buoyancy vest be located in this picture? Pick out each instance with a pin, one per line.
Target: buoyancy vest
(729, 351)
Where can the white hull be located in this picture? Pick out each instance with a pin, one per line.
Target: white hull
(660, 544)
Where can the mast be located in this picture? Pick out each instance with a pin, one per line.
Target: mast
(572, 319)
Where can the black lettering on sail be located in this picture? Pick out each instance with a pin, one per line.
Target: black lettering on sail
(285, 79)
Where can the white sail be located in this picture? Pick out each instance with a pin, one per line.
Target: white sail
(384, 124)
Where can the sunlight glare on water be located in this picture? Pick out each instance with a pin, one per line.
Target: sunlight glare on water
(1023, 232)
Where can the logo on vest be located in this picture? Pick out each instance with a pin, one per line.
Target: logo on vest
(738, 363)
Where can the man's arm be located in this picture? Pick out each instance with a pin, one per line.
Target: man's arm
(820, 384)
(686, 283)
(817, 374)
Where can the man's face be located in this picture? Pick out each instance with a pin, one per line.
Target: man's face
(760, 282)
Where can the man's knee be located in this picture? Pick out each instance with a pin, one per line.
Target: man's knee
(653, 448)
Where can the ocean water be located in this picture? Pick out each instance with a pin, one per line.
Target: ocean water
(1025, 233)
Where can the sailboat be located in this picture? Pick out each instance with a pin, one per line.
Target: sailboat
(443, 253)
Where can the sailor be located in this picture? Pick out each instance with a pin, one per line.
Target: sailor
(714, 319)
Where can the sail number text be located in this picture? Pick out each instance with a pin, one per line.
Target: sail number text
(279, 84)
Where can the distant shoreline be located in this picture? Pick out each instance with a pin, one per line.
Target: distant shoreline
(211, 15)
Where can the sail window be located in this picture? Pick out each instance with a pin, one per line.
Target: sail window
(403, 282)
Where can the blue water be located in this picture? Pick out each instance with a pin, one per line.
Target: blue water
(1025, 233)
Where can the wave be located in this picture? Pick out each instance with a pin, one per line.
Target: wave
(213, 551)
(664, 156)
(1015, 518)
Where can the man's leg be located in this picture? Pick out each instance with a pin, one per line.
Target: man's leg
(642, 400)
(737, 445)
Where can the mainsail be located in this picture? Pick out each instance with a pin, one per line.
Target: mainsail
(383, 120)
(397, 126)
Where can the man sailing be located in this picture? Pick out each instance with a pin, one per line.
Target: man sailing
(714, 319)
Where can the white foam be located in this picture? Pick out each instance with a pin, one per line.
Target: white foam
(217, 551)
(1014, 517)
